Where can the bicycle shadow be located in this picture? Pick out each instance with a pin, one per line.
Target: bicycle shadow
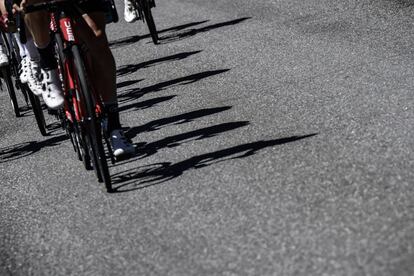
(175, 120)
(127, 83)
(135, 38)
(145, 104)
(21, 150)
(132, 68)
(164, 122)
(158, 173)
(150, 149)
(132, 94)
(176, 35)
(188, 33)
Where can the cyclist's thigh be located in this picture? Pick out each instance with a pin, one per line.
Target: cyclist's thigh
(93, 24)
(38, 23)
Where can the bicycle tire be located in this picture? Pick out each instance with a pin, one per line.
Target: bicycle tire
(149, 19)
(80, 147)
(5, 71)
(83, 146)
(71, 134)
(93, 128)
(38, 112)
(72, 129)
(87, 146)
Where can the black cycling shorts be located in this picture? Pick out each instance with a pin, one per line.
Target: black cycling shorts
(93, 6)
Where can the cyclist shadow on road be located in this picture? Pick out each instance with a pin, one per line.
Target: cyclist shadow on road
(191, 32)
(127, 83)
(153, 174)
(175, 120)
(132, 68)
(135, 38)
(133, 94)
(176, 33)
(145, 104)
(22, 150)
(145, 150)
(150, 149)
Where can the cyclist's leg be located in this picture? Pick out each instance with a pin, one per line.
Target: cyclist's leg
(34, 70)
(38, 24)
(92, 32)
(24, 60)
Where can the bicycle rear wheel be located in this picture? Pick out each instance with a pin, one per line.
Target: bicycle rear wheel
(93, 130)
(38, 111)
(150, 21)
(6, 75)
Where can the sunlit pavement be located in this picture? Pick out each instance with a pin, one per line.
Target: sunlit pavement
(275, 138)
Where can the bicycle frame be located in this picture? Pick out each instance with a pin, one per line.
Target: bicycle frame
(143, 7)
(67, 27)
(83, 108)
(139, 6)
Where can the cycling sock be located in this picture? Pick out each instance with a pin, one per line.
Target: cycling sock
(113, 116)
(22, 47)
(31, 49)
(1, 44)
(2, 47)
(47, 57)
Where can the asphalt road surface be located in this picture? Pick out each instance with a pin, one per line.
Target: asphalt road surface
(276, 138)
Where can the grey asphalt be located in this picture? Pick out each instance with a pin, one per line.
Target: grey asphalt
(276, 138)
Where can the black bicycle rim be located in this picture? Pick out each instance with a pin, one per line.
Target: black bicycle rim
(73, 130)
(71, 134)
(84, 147)
(38, 112)
(92, 126)
(88, 150)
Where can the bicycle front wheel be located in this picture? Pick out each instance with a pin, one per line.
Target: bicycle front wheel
(38, 112)
(93, 127)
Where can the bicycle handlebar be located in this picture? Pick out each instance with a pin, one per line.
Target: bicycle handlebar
(52, 6)
(48, 6)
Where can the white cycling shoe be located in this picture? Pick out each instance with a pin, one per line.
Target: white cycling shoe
(120, 144)
(130, 14)
(3, 59)
(24, 69)
(52, 89)
(33, 78)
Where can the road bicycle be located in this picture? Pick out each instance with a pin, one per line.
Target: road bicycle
(8, 76)
(83, 115)
(143, 7)
(11, 77)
